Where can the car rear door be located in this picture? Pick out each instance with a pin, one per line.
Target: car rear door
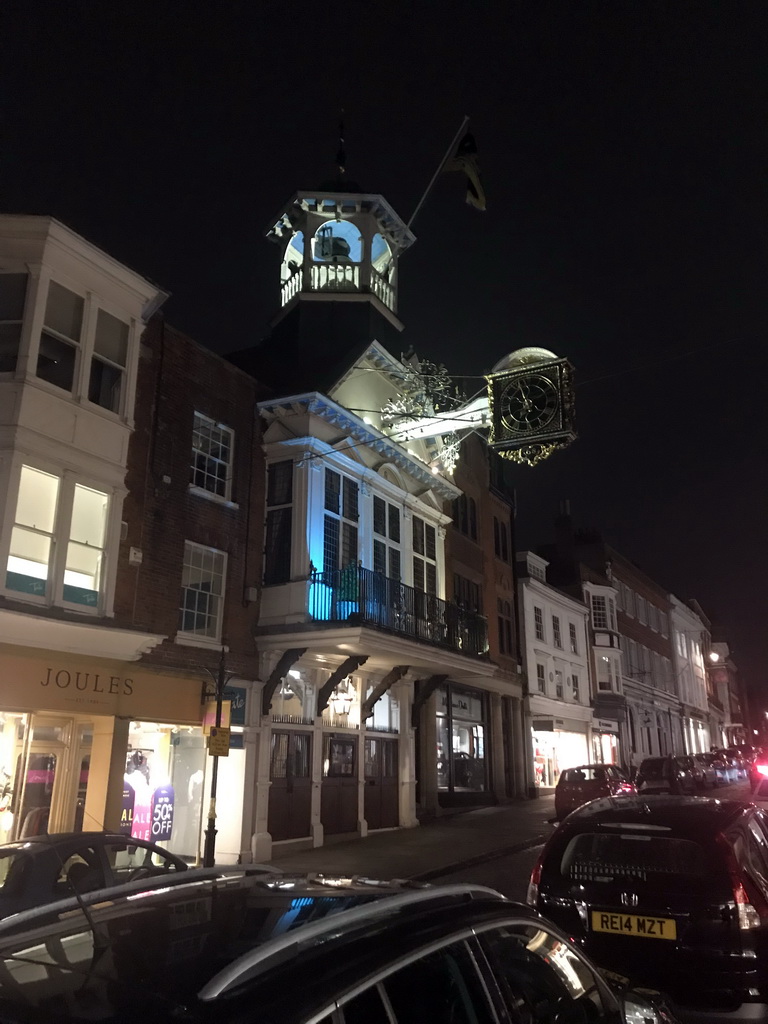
(647, 902)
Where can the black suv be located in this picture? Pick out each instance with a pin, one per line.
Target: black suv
(295, 950)
(674, 889)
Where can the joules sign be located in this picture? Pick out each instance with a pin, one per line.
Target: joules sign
(87, 682)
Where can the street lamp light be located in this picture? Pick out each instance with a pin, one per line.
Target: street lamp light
(714, 657)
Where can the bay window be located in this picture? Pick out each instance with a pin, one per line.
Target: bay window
(51, 508)
(60, 337)
(110, 353)
(13, 290)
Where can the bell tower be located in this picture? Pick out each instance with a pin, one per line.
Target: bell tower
(338, 280)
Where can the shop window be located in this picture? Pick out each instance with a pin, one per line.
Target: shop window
(211, 468)
(110, 353)
(44, 501)
(603, 612)
(202, 592)
(461, 733)
(557, 639)
(277, 546)
(13, 291)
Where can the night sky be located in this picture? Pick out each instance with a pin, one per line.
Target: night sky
(623, 151)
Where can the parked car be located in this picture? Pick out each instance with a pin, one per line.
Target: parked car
(715, 765)
(664, 775)
(292, 949)
(739, 764)
(758, 770)
(697, 771)
(673, 888)
(44, 868)
(587, 782)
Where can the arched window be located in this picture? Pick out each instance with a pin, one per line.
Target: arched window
(293, 257)
(381, 255)
(337, 241)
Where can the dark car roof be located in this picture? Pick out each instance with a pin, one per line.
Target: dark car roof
(64, 838)
(253, 928)
(679, 813)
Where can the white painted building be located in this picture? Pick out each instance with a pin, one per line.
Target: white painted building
(690, 642)
(555, 648)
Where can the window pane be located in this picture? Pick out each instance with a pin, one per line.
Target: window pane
(332, 491)
(380, 557)
(418, 535)
(64, 311)
(13, 290)
(28, 561)
(56, 361)
(38, 493)
(350, 500)
(211, 456)
(394, 523)
(202, 591)
(394, 564)
(277, 551)
(9, 346)
(429, 537)
(280, 483)
(111, 338)
(105, 385)
(349, 546)
(89, 516)
(443, 986)
(379, 516)
(330, 544)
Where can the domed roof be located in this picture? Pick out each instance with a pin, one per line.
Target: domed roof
(524, 357)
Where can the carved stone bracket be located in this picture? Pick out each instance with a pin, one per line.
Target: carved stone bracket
(352, 664)
(425, 690)
(380, 689)
(284, 662)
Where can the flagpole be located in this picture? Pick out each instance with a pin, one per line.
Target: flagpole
(449, 152)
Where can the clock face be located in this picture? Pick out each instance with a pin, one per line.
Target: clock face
(528, 403)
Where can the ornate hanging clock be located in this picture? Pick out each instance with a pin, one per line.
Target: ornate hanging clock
(530, 397)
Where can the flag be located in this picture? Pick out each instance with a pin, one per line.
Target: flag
(465, 160)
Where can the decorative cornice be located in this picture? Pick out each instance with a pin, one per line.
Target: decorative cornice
(352, 426)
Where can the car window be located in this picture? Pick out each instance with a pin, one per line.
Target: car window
(130, 859)
(629, 856)
(366, 1008)
(542, 977)
(586, 773)
(758, 849)
(15, 864)
(80, 871)
(443, 986)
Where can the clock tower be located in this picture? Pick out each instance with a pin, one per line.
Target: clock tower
(338, 281)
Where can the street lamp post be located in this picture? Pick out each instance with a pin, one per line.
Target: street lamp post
(220, 679)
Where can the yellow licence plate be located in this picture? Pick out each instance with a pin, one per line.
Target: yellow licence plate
(633, 924)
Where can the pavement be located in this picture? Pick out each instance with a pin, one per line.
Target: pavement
(429, 850)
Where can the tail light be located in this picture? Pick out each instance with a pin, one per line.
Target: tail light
(751, 905)
(762, 769)
(532, 896)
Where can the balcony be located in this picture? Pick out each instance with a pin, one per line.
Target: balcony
(363, 597)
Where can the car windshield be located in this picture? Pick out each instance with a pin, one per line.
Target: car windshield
(629, 856)
(587, 773)
(655, 767)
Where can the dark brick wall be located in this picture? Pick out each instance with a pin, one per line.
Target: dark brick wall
(176, 378)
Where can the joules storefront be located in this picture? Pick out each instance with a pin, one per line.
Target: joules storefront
(87, 744)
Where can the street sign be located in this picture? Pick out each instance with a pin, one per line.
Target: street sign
(218, 741)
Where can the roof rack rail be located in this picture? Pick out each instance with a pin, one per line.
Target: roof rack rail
(256, 961)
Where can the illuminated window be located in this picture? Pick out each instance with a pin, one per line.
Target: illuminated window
(202, 591)
(13, 290)
(605, 675)
(45, 507)
(340, 533)
(211, 468)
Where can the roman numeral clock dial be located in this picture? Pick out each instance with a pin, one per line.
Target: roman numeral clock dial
(530, 399)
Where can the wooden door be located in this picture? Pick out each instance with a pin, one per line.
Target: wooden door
(381, 802)
(338, 798)
(290, 793)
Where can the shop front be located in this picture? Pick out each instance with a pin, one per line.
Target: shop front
(557, 744)
(463, 733)
(605, 742)
(87, 744)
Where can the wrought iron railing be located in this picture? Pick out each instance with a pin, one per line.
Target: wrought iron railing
(370, 598)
